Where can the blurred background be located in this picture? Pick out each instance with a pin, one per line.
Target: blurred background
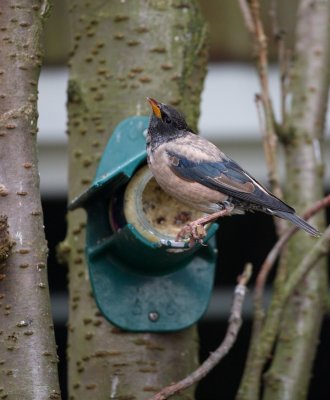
(229, 119)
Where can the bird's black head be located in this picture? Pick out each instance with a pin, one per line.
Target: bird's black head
(166, 119)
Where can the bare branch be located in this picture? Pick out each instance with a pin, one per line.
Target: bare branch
(304, 179)
(301, 127)
(284, 56)
(267, 267)
(252, 19)
(320, 249)
(263, 342)
(275, 251)
(246, 12)
(273, 18)
(235, 321)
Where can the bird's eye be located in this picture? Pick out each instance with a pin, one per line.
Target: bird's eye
(167, 120)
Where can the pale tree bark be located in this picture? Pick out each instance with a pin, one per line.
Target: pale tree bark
(303, 137)
(291, 327)
(28, 360)
(122, 52)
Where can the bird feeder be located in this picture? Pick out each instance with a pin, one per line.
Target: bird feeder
(143, 280)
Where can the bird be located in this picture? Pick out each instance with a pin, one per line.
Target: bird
(197, 173)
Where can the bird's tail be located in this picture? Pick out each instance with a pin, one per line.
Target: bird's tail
(299, 222)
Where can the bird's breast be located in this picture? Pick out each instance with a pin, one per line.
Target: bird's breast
(191, 193)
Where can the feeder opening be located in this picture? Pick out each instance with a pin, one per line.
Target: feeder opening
(154, 213)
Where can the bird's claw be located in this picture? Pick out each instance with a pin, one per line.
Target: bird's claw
(195, 232)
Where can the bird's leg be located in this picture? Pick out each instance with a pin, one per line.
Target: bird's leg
(196, 231)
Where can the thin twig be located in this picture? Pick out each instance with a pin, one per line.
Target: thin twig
(261, 345)
(266, 267)
(319, 250)
(275, 251)
(235, 321)
(251, 14)
(283, 58)
(273, 17)
(246, 12)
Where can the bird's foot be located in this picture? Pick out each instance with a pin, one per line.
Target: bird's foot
(194, 231)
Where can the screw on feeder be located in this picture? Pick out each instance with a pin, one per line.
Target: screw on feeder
(153, 316)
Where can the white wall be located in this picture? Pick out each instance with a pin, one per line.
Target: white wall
(228, 118)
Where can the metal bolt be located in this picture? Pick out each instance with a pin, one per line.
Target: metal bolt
(153, 316)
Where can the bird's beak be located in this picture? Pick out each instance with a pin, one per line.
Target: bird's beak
(155, 107)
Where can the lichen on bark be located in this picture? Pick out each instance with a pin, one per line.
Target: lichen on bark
(5, 242)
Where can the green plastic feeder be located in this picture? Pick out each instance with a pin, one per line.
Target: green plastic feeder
(142, 279)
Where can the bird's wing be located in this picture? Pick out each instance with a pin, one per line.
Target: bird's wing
(227, 177)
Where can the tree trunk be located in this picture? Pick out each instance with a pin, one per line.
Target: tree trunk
(122, 52)
(290, 371)
(28, 360)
